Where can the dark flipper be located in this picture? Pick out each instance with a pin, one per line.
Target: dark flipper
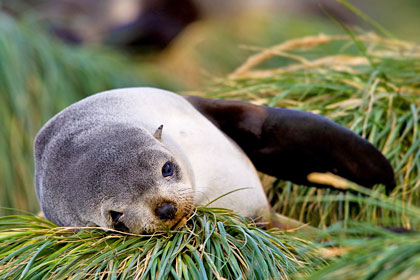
(290, 144)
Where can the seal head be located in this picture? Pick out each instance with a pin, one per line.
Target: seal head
(113, 175)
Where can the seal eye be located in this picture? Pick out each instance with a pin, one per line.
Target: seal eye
(167, 169)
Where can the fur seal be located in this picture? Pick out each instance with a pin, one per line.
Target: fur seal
(139, 159)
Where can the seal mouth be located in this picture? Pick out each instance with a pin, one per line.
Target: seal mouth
(180, 223)
(183, 219)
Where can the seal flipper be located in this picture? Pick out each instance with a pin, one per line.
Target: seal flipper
(290, 144)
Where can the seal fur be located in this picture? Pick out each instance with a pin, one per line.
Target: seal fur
(291, 144)
(100, 161)
(100, 155)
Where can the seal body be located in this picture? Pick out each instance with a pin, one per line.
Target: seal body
(99, 163)
(106, 161)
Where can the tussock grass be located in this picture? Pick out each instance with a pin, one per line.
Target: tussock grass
(216, 244)
(381, 255)
(371, 85)
(367, 83)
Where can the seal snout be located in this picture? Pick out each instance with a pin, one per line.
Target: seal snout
(166, 211)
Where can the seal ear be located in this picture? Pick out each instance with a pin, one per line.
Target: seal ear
(291, 144)
(158, 132)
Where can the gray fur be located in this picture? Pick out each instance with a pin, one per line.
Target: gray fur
(92, 158)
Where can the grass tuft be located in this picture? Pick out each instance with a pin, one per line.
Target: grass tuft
(215, 244)
(382, 255)
(376, 94)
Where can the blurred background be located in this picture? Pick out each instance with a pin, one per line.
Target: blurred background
(53, 53)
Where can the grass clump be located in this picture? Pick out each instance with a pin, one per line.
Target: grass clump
(383, 255)
(366, 83)
(216, 244)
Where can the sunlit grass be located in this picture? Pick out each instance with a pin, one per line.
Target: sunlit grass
(367, 83)
(215, 244)
(377, 97)
(369, 252)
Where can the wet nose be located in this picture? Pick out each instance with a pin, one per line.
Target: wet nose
(166, 211)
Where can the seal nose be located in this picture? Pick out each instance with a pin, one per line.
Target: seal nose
(166, 211)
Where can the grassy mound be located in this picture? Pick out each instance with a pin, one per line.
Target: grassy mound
(366, 83)
(215, 244)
